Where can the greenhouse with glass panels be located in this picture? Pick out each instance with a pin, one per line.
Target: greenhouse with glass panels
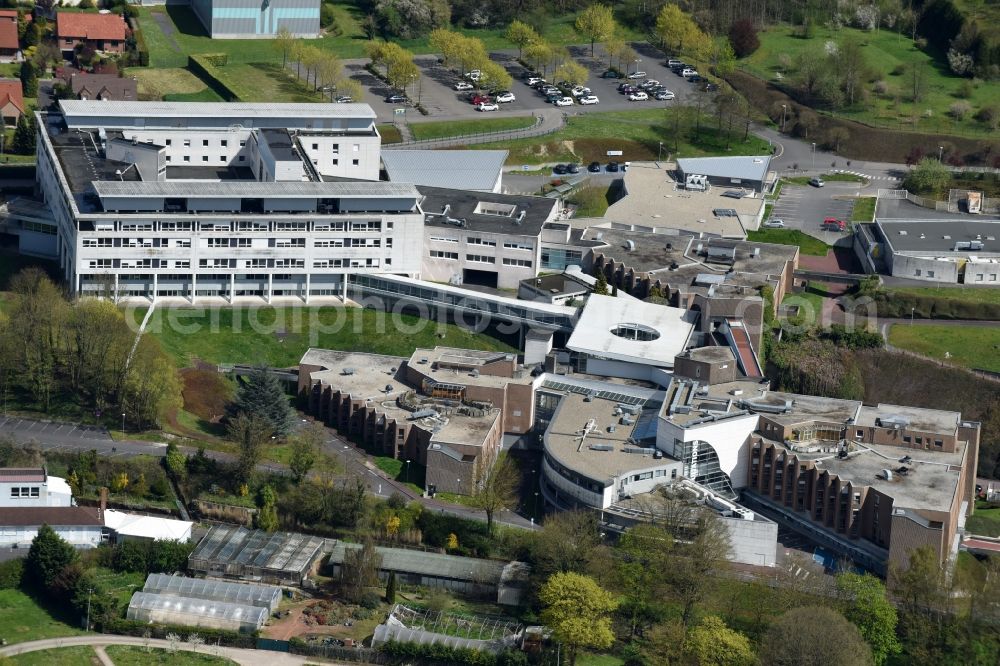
(268, 557)
(167, 609)
(263, 596)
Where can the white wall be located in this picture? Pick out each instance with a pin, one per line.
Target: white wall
(79, 537)
(728, 437)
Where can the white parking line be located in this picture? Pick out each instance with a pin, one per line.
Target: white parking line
(31, 425)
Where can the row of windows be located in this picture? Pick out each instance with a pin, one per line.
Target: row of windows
(525, 263)
(342, 226)
(441, 254)
(108, 264)
(24, 492)
(480, 259)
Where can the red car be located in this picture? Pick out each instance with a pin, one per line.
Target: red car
(481, 99)
(833, 224)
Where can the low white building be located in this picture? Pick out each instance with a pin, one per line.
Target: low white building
(625, 337)
(32, 487)
(152, 528)
(81, 526)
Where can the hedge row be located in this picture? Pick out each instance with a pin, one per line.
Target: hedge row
(443, 654)
(220, 636)
(208, 67)
(899, 305)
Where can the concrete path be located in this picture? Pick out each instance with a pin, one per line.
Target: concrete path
(103, 656)
(239, 655)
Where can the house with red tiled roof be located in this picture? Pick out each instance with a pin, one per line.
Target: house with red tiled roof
(11, 101)
(101, 32)
(9, 46)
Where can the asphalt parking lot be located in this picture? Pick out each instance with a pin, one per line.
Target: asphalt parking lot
(435, 89)
(804, 207)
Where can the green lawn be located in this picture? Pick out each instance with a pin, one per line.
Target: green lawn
(271, 83)
(188, 36)
(23, 619)
(969, 294)
(807, 244)
(969, 346)
(864, 209)
(130, 655)
(810, 304)
(638, 134)
(80, 655)
(448, 128)
(591, 659)
(592, 201)
(390, 133)
(884, 52)
(278, 336)
(397, 470)
(171, 83)
(985, 521)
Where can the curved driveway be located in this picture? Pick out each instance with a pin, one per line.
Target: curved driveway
(239, 655)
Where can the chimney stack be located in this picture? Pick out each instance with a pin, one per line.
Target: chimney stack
(104, 503)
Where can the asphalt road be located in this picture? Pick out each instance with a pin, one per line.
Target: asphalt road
(56, 436)
(804, 207)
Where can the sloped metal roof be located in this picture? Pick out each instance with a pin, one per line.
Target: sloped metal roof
(457, 169)
(743, 167)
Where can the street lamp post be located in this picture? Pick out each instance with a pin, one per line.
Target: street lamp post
(911, 316)
(940, 153)
(123, 423)
(90, 592)
(536, 505)
(407, 471)
(659, 153)
(814, 155)
(784, 109)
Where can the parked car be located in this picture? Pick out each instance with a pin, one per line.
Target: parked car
(551, 99)
(559, 169)
(539, 84)
(817, 182)
(649, 83)
(564, 101)
(697, 78)
(580, 91)
(505, 97)
(628, 90)
(550, 90)
(637, 75)
(463, 85)
(664, 95)
(833, 224)
(589, 99)
(481, 99)
(345, 99)
(775, 224)
(613, 167)
(474, 75)
(689, 72)
(488, 106)
(595, 167)
(638, 96)
(396, 99)
(673, 62)
(611, 74)
(572, 168)
(710, 87)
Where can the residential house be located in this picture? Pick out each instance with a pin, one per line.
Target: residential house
(104, 87)
(11, 101)
(9, 46)
(102, 32)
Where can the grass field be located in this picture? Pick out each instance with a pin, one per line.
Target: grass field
(885, 52)
(22, 619)
(389, 133)
(985, 521)
(447, 128)
(79, 655)
(271, 83)
(130, 655)
(278, 336)
(864, 209)
(173, 84)
(807, 244)
(591, 201)
(969, 294)
(969, 346)
(173, 32)
(637, 134)
(830, 177)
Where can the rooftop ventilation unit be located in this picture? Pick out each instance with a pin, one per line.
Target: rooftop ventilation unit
(631, 409)
(640, 450)
(629, 245)
(422, 361)
(601, 447)
(347, 371)
(388, 388)
(422, 414)
(886, 474)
